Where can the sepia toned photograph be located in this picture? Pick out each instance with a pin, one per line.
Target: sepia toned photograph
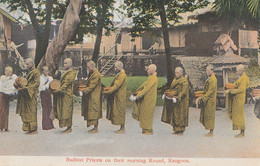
(129, 82)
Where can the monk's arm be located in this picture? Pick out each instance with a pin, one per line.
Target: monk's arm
(33, 85)
(67, 81)
(184, 91)
(117, 84)
(146, 88)
(209, 93)
(93, 83)
(240, 89)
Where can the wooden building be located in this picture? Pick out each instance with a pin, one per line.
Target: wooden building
(8, 29)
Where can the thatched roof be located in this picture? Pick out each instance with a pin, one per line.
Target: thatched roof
(195, 69)
(228, 59)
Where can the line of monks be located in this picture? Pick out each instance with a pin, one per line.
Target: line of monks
(175, 111)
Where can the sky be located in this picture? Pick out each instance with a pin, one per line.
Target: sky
(117, 16)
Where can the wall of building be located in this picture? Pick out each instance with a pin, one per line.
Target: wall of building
(108, 43)
(128, 45)
(177, 37)
(8, 29)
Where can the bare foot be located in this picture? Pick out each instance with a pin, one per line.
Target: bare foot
(179, 133)
(148, 133)
(93, 131)
(210, 134)
(32, 132)
(120, 131)
(68, 130)
(240, 135)
(176, 132)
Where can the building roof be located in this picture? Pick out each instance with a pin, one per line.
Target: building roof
(8, 16)
(85, 46)
(195, 69)
(226, 42)
(228, 59)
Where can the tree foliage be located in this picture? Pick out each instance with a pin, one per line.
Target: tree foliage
(149, 14)
(89, 17)
(237, 13)
(146, 16)
(42, 11)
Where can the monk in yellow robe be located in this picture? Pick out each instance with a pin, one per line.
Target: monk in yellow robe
(176, 110)
(235, 100)
(91, 108)
(27, 99)
(145, 101)
(63, 97)
(208, 110)
(116, 99)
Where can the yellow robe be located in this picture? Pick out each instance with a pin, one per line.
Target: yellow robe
(177, 114)
(63, 102)
(91, 107)
(235, 103)
(116, 100)
(208, 110)
(144, 107)
(27, 102)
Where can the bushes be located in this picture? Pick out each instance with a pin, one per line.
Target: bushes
(253, 72)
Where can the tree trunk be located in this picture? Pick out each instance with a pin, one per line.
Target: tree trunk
(43, 39)
(169, 62)
(259, 34)
(66, 31)
(100, 25)
(3, 46)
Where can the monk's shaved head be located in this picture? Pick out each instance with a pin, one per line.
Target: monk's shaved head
(240, 67)
(69, 61)
(91, 64)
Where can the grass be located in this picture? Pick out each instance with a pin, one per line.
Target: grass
(133, 83)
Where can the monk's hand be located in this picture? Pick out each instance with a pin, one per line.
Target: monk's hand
(174, 100)
(227, 92)
(133, 98)
(197, 103)
(256, 98)
(163, 96)
(199, 99)
(80, 93)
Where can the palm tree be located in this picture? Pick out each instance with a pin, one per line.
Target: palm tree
(254, 8)
(236, 13)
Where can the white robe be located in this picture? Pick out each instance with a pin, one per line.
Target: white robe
(7, 84)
